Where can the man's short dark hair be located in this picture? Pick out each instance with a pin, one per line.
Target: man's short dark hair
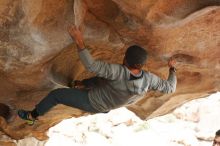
(135, 55)
(217, 133)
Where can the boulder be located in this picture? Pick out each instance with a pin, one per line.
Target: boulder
(35, 49)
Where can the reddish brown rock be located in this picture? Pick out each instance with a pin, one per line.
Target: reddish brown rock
(35, 47)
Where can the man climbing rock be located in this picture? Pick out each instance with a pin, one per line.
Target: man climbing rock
(118, 84)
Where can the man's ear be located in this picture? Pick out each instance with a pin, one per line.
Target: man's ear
(125, 62)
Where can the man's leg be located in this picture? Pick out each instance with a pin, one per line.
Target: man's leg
(67, 96)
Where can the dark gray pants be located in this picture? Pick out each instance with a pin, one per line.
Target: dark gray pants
(67, 96)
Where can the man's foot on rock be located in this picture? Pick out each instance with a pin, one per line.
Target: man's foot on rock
(26, 115)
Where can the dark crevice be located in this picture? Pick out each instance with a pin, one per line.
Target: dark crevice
(5, 111)
(184, 58)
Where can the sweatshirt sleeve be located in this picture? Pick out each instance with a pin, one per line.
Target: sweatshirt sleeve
(165, 86)
(100, 68)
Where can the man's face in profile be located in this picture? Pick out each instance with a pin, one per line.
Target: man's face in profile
(216, 141)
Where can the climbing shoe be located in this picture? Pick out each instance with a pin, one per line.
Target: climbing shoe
(25, 115)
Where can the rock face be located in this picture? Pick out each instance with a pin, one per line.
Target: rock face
(34, 45)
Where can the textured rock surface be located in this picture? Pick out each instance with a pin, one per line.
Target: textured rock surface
(34, 44)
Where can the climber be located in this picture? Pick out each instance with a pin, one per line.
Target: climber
(117, 84)
(216, 141)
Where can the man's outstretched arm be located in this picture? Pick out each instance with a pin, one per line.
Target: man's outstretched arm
(100, 68)
(165, 86)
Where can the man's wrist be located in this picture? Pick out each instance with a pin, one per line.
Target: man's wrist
(80, 49)
(173, 69)
(80, 46)
(80, 43)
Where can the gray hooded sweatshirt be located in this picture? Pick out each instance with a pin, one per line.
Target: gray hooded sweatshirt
(119, 89)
